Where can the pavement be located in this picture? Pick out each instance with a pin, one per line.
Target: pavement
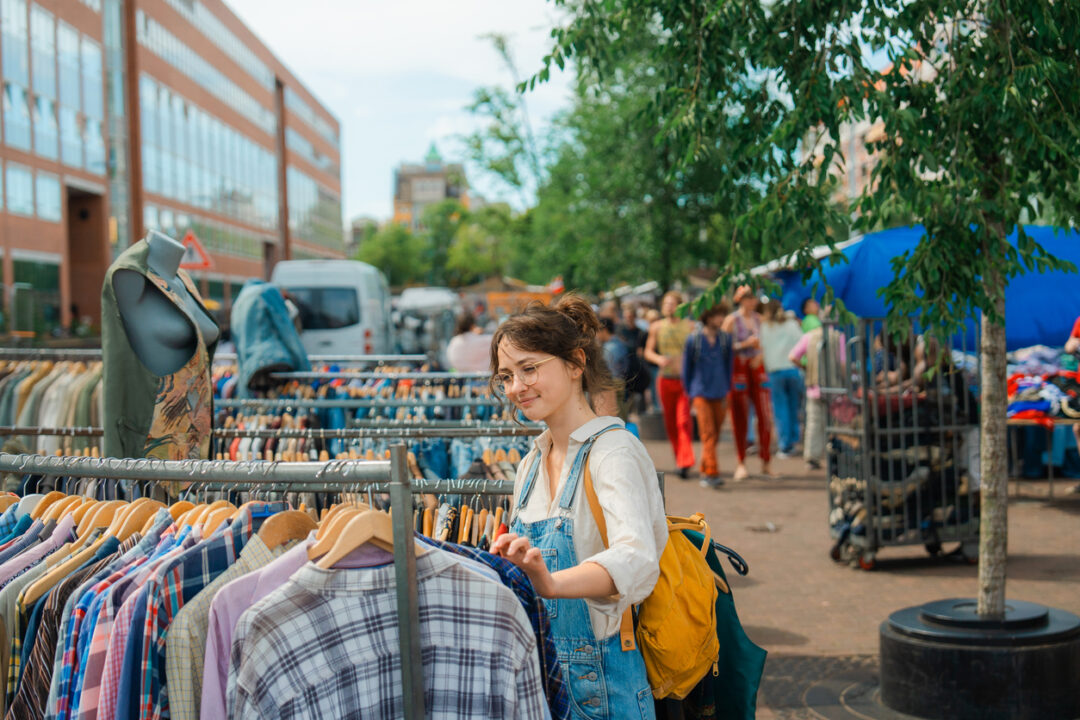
(819, 619)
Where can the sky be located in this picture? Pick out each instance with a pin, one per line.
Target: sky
(398, 75)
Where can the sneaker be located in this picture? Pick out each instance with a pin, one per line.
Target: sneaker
(813, 464)
(711, 481)
(684, 473)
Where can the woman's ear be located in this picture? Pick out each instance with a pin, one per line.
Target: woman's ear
(579, 370)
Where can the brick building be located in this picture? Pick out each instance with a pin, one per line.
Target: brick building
(418, 186)
(125, 115)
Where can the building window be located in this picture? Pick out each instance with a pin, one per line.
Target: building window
(70, 138)
(16, 32)
(47, 188)
(37, 307)
(94, 145)
(16, 117)
(20, 189)
(43, 50)
(93, 87)
(46, 130)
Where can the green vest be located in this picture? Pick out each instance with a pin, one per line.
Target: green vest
(168, 417)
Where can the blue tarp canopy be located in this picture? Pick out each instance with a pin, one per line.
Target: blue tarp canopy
(1040, 308)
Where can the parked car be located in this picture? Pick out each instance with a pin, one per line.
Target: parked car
(344, 305)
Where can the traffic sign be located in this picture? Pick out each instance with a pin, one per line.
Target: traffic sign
(195, 255)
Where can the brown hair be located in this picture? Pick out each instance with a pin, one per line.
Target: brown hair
(560, 330)
(721, 308)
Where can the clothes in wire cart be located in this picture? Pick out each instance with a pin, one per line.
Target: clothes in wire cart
(902, 442)
(416, 671)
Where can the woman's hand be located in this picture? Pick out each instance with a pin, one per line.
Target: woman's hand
(519, 551)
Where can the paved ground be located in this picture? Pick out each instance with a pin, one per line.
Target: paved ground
(819, 619)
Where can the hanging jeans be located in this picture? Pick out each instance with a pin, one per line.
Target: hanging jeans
(710, 418)
(750, 387)
(604, 681)
(680, 429)
(786, 387)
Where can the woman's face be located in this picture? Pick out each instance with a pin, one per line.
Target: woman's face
(554, 385)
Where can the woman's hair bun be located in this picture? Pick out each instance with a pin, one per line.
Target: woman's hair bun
(580, 312)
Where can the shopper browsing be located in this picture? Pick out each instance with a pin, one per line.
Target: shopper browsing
(470, 349)
(664, 348)
(546, 359)
(706, 372)
(779, 334)
(750, 383)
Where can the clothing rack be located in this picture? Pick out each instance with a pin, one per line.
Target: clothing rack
(57, 354)
(345, 473)
(349, 403)
(409, 432)
(227, 357)
(6, 430)
(370, 375)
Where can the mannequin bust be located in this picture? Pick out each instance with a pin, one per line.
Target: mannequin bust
(163, 338)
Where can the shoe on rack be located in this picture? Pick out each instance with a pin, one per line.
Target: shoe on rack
(711, 481)
(740, 474)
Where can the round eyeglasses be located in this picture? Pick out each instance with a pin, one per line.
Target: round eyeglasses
(527, 374)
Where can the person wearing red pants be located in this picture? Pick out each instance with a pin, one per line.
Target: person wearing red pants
(749, 381)
(664, 348)
(706, 373)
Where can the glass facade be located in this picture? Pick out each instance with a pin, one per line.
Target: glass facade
(217, 237)
(314, 211)
(37, 302)
(47, 197)
(302, 146)
(192, 157)
(301, 109)
(208, 24)
(161, 42)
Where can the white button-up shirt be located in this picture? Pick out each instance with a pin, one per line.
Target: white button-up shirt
(626, 486)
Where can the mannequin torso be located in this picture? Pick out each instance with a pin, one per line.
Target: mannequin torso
(162, 337)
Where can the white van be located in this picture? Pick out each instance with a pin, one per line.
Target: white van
(344, 305)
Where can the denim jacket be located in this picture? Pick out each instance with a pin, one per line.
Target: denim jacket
(265, 337)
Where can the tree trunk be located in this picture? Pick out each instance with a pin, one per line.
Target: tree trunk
(993, 524)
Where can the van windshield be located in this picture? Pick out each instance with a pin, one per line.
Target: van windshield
(326, 308)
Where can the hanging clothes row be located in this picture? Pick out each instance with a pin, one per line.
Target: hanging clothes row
(212, 610)
(50, 394)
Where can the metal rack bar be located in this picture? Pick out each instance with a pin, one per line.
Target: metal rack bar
(371, 375)
(284, 404)
(410, 432)
(52, 431)
(342, 359)
(89, 354)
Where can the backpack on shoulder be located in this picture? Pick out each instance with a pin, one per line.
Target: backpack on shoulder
(676, 624)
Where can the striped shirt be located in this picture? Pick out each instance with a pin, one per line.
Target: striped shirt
(325, 644)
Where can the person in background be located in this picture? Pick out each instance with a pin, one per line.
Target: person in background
(706, 374)
(664, 348)
(810, 310)
(470, 349)
(650, 316)
(617, 357)
(809, 351)
(750, 382)
(1072, 346)
(779, 334)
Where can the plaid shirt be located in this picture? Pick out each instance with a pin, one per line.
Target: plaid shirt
(34, 686)
(325, 644)
(143, 548)
(185, 646)
(515, 578)
(112, 675)
(8, 520)
(173, 585)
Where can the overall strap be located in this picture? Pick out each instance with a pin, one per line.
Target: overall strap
(527, 486)
(580, 460)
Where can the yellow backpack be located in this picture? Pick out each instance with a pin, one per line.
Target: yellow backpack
(677, 622)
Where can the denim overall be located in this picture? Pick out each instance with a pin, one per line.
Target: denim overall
(604, 681)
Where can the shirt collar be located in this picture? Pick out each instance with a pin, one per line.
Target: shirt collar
(543, 441)
(318, 580)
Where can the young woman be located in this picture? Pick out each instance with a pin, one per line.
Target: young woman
(545, 360)
(706, 372)
(751, 385)
(664, 348)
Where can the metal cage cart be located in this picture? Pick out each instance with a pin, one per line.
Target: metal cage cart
(902, 441)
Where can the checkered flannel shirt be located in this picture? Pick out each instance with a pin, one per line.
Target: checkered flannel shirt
(325, 644)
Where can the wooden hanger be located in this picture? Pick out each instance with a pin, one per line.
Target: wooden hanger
(7, 501)
(373, 527)
(216, 505)
(179, 508)
(84, 509)
(45, 502)
(100, 516)
(215, 518)
(59, 508)
(328, 532)
(286, 526)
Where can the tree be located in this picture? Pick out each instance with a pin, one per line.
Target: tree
(397, 252)
(979, 110)
(479, 245)
(440, 223)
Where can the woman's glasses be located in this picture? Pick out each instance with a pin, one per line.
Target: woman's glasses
(527, 374)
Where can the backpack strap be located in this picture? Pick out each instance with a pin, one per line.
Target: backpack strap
(626, 625)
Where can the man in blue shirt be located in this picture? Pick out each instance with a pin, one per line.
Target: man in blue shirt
(706, 375)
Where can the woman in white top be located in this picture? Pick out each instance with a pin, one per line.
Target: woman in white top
(780, 333)
(546, 360)
(469, 350)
